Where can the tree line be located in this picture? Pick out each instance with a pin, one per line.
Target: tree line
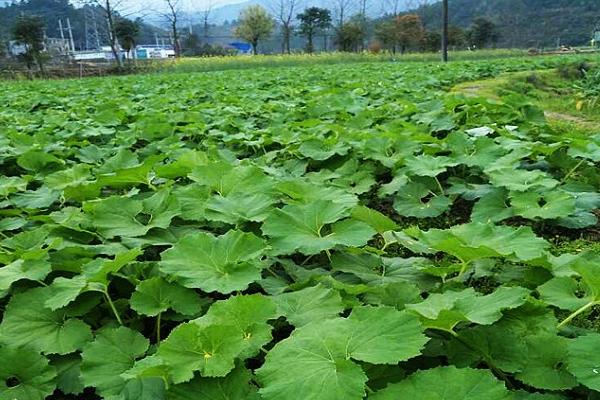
(395, 32)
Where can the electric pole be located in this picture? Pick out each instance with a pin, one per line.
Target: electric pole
(445, 31)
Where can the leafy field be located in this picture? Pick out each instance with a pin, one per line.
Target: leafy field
(316, 233)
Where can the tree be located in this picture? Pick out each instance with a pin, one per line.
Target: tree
(456, 36)
(255, 24)
(284, 12)
(385, 33)
(127, 32)
(206, 12)
(172, 17)
(29, 32)
(431, 41)
(109, 8)
(409, 31)
(350, 36)
(312, 20)
(483, 32)
(341, 8)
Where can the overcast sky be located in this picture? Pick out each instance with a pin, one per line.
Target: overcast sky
(188, 5)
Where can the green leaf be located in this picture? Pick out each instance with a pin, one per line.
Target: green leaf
(521, 180)
(315, 303)
(154, 296)
(445, 310)
(378, 221)
(545, 363)
(583, 360)
(43, 197)
(473, 241)
(237, 385)
(312, 228)
(417, 200)
(320, 354)
(492, 207)
(238, 207)
(563, 292)
(69, 380)
(313, 357)
(446, 383)
(113, 352)
(426, 165)
(215, 264)
(32, 269)
(224, 178)
(123, 216)
(551, 205)
(211, 350)
(25, 375)
(249, 315)
(27, 322)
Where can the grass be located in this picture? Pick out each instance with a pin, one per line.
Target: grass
(205, 64)
(552, 90)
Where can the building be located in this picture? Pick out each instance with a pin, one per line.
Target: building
(54, 46)
(150, 52)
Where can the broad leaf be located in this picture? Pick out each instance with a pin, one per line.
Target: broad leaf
(215, 264)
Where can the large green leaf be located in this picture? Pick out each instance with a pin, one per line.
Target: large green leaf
(314, 227)
(310, 304)
(25, 375)
(473, 241)
(211, 350)
(446, 383)
(113, 352)
(583, 361)
(27, 322)
(223, 264)
(236, 385)
(320, 354)
(154, 296)
(417, 200)
(445, 310)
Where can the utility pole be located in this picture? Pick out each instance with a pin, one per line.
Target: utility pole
(71, 41)
(60, 28)
(445, 31)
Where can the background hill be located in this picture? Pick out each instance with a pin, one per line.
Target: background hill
(525, 23)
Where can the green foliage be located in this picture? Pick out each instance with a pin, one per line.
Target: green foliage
(127, 32)
(336, 232)
(255, 24)
(28, 30)
(312, 20)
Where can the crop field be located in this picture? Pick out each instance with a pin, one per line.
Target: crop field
(323, 232)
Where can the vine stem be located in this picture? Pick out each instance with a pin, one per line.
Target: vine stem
(576, 313)
(442, 191)
(158, 318)
(572, 171)
(112, 307)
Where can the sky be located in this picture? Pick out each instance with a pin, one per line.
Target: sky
(190, 5)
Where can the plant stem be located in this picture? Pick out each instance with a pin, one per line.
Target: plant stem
(112, 307)
(158, 317)
(572, 171)
(442, 191)
(576, 313)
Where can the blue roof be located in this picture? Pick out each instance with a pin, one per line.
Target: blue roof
(241, 46)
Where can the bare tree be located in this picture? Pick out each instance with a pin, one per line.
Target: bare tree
(206, 12)
(342, 8)
(171, 15)
(393, 7)
(285, 12)
(109, 8)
